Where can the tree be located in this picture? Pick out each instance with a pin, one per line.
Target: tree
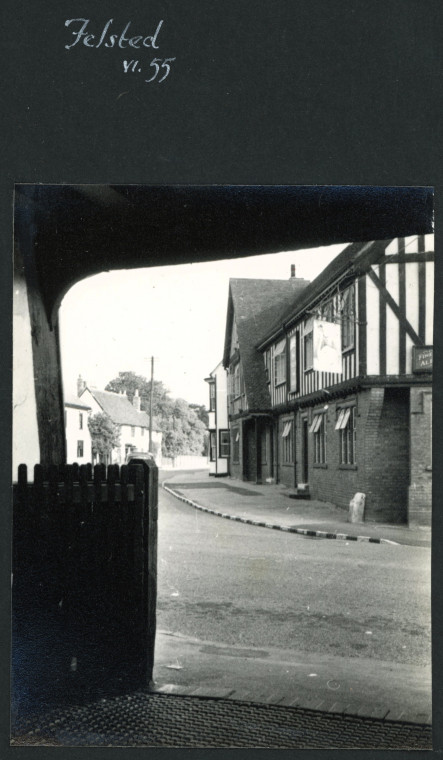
(203, 415)
(201, 412)
(105, 436)
(130, 382)
(184, 433)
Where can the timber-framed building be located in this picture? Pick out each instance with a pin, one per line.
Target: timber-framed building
(330, 386)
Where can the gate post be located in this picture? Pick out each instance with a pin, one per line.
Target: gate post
(149, 583)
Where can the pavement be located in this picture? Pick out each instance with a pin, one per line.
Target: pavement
(271, 506)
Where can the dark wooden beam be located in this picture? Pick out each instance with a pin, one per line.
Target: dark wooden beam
(402, 310)
(382, 320)
(83, 230)
(362, 326)
(387, 298)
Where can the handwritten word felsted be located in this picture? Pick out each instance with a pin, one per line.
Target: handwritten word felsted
(80, 30)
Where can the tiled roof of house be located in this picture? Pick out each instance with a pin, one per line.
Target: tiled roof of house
(356, 253)
(119, 408)
(75, 402)
(256, 304)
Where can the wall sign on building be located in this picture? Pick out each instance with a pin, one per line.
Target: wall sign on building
(422, 358)
(327, 347)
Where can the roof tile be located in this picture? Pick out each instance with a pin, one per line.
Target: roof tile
(257, 304)
(120, 409)
(71, 400)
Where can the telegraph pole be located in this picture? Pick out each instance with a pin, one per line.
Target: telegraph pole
(150, 404)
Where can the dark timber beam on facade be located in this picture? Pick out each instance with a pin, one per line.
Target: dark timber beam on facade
(398, 309)
(352, 386)
(322, 395)
(400, 381)
(268, 414)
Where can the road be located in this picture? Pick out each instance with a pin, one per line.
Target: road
(241, 585)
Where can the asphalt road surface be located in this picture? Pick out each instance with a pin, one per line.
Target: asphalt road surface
(227, 582)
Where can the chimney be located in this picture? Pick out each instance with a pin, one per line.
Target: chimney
(292, 271)
(136, 401)
(81, 385)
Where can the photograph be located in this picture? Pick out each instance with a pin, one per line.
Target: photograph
(222, 466)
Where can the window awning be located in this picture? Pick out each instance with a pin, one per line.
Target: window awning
(287, 429)
(309, 325)
(343, 418)
(279, 348)
(316, 422)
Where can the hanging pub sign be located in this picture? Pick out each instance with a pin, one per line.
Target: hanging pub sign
(327, 347)
(422, 358)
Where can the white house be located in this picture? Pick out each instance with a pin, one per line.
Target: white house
(133, 423)
(78, 438)
(218, 421)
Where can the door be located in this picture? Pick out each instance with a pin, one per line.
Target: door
(305, 470)
(250, 452)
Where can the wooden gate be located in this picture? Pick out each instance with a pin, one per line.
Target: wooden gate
(84, 582)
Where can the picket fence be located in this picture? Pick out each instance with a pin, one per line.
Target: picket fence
(84, 582)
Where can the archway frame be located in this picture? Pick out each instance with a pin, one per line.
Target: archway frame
(64, 233)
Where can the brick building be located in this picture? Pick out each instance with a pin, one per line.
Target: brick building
(342, 381)
(253, 305)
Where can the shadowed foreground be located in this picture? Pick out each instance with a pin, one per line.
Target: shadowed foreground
(160, 720)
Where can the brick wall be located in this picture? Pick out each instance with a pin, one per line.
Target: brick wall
(420, 488)
(334, 482)
(286, 475)
(381, 469)
(386, 440)
(393, 460)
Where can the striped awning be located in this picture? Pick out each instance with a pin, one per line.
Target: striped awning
(280, 347)
(316, 422)
(287, 429)
(343, 418)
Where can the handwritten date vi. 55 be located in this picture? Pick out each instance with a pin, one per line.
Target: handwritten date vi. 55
(161, 68)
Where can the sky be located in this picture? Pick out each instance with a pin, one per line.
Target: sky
(115, 321)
